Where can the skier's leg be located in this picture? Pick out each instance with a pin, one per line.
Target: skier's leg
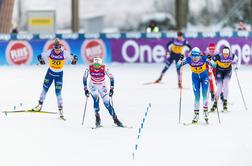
(95, 95)
(196, 91)
(105, 97)
(167, 65)
(46, 85)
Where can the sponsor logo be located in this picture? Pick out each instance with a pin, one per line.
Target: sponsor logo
(133, 52)
(19, 53)
(92, 48)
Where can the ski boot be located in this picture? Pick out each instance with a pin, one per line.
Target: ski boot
(214, 107)
(225, 109)
(158, 80)
(60, 111)
(38, 107)
(117, 122)
(180, 84)
(222, 97)
(196, 116)
(206, 115)
(97, 120)
(212, 96)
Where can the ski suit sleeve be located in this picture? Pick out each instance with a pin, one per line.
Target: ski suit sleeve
(68, 56)
(44, 56)
(111, 77)
(182, 62)
(169, 44)
(209, 61)
(86, 73)
(236, 62)
(188, 45)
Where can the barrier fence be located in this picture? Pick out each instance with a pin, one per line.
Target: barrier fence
(23, 49)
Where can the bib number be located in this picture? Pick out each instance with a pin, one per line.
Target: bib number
(56, 64)
(177, 49)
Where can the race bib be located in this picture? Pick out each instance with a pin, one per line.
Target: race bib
(223, 65)
(177, 49)
(56, 64)
(198, 69)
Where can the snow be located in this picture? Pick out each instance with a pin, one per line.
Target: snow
(36, 139)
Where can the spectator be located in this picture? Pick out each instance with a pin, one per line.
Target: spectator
(14, 27)
(242, 26)
(152, 27)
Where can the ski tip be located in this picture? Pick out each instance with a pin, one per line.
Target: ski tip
(187, 124)
(198, 123)
(148, 83)
(154, 82)
(96, 127)
(62, 118)
(127, 127)
(190, 123)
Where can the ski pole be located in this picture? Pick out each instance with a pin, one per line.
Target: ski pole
(84, 111)
(215, 97)
(246, 108)
(217, 110)
(111, 100)
(180, 91)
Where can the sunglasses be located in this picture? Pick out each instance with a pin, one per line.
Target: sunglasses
(57, 49)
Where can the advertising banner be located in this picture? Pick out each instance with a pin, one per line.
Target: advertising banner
(25, 52)
(154, 50)
(113, 48)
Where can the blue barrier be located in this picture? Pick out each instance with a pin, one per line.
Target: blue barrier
(22, 49)
(130, 35)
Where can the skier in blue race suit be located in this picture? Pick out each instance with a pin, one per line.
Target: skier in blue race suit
(56, 58)
(200, 79)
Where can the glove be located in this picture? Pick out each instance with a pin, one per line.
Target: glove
(167, 54)
(87, 92)
(178, 66)
(74, 61)
(111, 92)
(182, 57)
(209, 57)
(41, 61)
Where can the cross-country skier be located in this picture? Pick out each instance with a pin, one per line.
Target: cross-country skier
(224, 62)
(174, 52)
(211, 51)
(56, 58)
(97, 88)
(198, 65)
